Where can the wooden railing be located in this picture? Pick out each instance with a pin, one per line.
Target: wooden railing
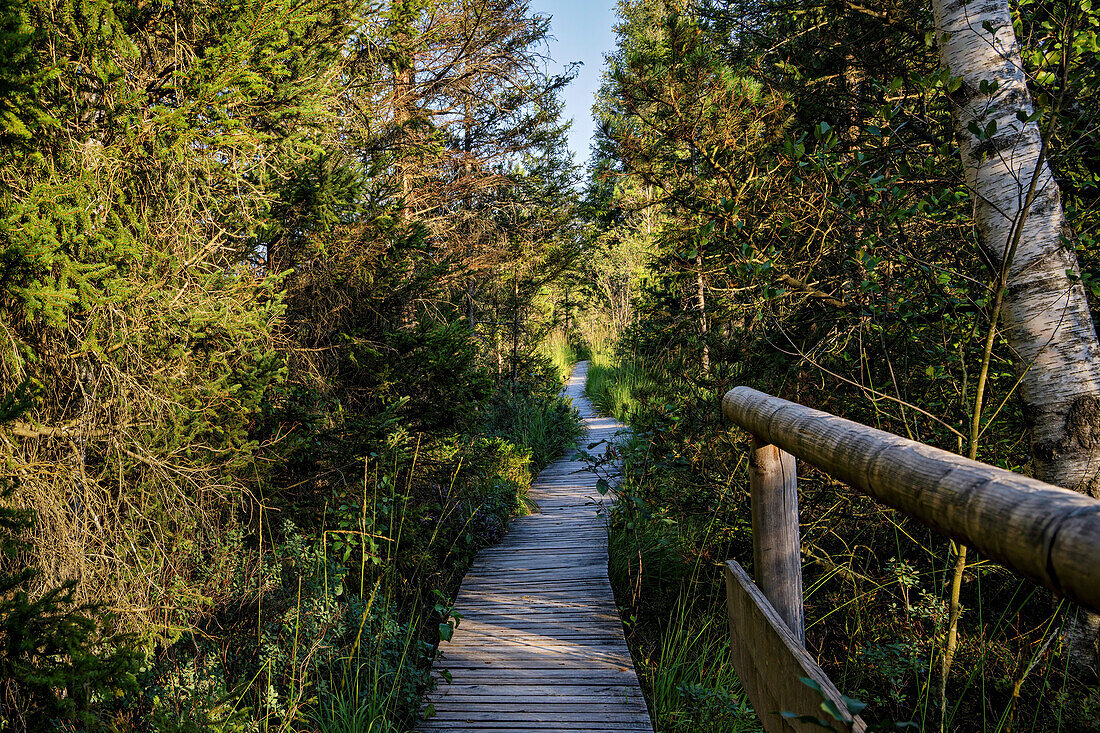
(1042, 532)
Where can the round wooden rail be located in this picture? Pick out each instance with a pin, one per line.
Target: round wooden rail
(1045, 533)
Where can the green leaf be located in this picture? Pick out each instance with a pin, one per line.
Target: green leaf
(813, 685)
(446, 631)
(855, 707)
(807, 719)
(834, 711)
(1025, 118)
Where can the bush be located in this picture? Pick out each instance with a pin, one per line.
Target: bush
(545, 427)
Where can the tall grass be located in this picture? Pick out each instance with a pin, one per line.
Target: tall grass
(676, 617)
(678, 631)
(376, 690)
(693, 684)
(616, 384)
(561, 353)
(543, 424)
(391, 631)
(528, 425)
(341, 622)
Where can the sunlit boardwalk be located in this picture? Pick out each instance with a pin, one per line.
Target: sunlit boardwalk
(540, 645)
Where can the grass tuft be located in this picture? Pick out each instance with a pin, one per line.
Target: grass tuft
(561, 353)
(615, 385)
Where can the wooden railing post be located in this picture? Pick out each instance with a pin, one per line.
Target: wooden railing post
(1045, 533)
(1042, 532)
(777, 550)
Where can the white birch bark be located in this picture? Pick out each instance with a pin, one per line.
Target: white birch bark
(1045, 313)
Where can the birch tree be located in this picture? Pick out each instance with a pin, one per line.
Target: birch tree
(1037, 287)
(1023, 232)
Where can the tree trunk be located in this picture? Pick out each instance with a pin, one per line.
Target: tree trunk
(702, 304)
(498, 348)
(1021, 225)
(515, 323)
(404, 81)
(1046, 313)
(471, 307)
(468, 202)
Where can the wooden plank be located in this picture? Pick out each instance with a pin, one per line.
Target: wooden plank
(777, 550)
(519, 691)
(535, 657)
(1048, 534)
(770, 660)
(539, 677)
(554, 695)
(608, 710)
(540, 644)
(453, 724)
(550, 644)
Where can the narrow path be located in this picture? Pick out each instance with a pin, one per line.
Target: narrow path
(540, 645)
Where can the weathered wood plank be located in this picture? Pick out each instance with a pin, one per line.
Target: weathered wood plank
(776, 548)
(770, 660)
(540, 645)
(473, 724)
(552, 693)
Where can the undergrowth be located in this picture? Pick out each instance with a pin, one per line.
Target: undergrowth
(562, 352)
(675, 615)
(876, 583)
(614, 384)
(324, 602)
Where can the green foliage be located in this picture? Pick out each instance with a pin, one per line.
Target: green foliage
(828, 257)
(252, 414)
(834, 714)
(616, 385)
(693, 683)
(674, 519)
(61, 661)
(532, 414)
(436, 370)
(285, 624)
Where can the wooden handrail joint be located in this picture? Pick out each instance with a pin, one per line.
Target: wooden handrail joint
(1045, 533)
(1042, 532)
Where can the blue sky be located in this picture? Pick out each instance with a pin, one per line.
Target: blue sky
(582, 31)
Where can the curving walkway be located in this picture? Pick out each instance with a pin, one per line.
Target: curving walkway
(540, 646)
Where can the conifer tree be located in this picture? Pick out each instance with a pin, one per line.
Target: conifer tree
(126, 291)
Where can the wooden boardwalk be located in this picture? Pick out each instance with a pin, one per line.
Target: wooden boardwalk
(540, 646)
